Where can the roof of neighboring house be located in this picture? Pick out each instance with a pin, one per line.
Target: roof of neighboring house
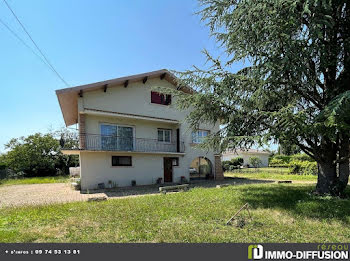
(249, 151)
(68, 97)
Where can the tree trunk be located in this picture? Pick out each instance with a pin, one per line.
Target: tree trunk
(344, 168)
(327, 178)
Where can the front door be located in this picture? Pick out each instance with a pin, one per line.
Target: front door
(168, 170)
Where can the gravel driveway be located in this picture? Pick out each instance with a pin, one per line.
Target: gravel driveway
(41, 194)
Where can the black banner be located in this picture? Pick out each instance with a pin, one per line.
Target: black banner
(254, 251)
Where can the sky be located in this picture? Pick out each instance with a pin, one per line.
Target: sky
(88, 41)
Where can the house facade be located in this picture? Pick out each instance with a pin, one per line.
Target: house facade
(246, 155)
(130, 134)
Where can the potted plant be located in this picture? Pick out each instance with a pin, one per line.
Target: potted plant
(183, 179)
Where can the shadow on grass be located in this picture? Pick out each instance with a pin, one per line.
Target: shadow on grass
(298, 200)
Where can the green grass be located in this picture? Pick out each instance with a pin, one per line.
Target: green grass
(280, 213)
(35, 180)
(269, 174)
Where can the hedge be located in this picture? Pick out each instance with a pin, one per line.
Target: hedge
(283, 160)
(303, 167)
(230, 165)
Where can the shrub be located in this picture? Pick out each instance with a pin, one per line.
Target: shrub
(230, 165)
(284, 161)
(278, 162)
(255, 161)
(237, 161)
(303, 167)
(225, 165)
(301, 157)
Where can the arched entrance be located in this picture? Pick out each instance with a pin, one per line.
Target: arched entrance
(201, 168)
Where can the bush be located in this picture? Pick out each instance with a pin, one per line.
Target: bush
(303, 167)
(237, 161)
(278, 162)
(301, 157)
(230, 165)
(225, 165)
(255, 161)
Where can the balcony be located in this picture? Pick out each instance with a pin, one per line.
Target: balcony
(97, 142)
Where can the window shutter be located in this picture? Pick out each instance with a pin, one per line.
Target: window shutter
(156, 98)
(168, 99)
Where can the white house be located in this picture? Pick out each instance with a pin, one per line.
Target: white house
(246, 155)
(131, 134)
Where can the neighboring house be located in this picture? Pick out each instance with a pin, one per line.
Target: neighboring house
(129, 133)
(246, 154)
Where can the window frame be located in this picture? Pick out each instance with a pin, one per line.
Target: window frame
(198, 139)
(121, 165)
(170, 135)
(118, 125)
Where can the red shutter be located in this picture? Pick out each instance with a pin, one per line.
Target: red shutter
(155, 98)
(159, 98)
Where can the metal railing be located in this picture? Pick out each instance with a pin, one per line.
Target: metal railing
(100, 142)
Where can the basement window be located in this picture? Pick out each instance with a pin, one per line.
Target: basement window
(159, 98)
(121, 161)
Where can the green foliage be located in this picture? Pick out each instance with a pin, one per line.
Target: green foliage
(303, 167)
(294, 86)
(39, 155)
(225, 165)
(279, 161)
(238, 161)
(255, 161)
(234, 163)
(298, 163)
(287, 148)
(302, 157)
(3, 163)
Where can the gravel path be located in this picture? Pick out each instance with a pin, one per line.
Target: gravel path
(41, 194)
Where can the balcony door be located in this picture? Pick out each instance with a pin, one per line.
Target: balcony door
(117, 137)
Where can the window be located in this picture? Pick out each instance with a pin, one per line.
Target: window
(164, 135)
(159, 98)
(175, 161)
(121, 161)
(114, 137)
(198, 136)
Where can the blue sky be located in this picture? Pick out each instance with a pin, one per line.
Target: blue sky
(88, 41)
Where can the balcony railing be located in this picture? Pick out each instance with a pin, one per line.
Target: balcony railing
(99, 142)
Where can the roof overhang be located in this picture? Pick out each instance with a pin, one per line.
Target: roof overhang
(68, 97)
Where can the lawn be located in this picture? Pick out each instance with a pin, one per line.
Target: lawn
(269, 174)
(280, 213)
(34, 180)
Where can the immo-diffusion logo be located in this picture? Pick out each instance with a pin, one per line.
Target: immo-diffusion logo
(330, 252)
(255, 252)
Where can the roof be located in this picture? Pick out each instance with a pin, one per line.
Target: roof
(249, 151)
(68, 97)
